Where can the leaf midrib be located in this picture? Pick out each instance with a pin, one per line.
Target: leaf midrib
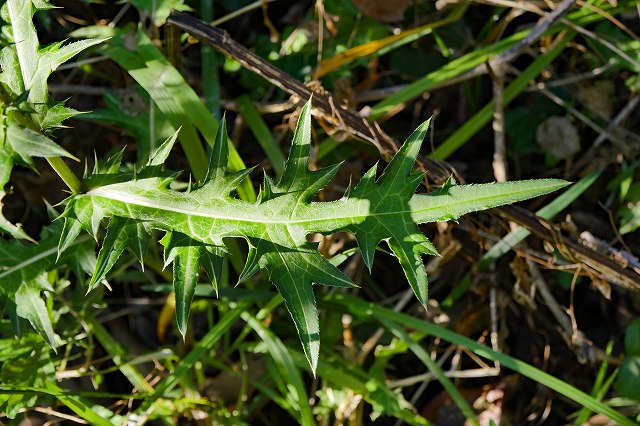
(42, 255)
(433, 209)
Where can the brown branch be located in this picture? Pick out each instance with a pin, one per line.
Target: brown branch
(360, 128)
(323, 105)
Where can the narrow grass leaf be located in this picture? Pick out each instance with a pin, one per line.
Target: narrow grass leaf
(364, 309)
(171, 93)
(340, 374)
(600, 387)
(297, 393)
(82, 408)
(481, 55)
(385, 45)
(435, 369)
(482, 117)
(117, 353)
(261, 132)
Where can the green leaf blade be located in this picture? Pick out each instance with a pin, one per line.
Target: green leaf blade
(301, 303)
(29, 143)
(186, 254)
(454, 201)
(25, 38)
(31, 307)
(122, 233)
(6, 165)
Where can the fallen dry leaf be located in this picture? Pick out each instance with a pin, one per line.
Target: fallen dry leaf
(558, 136)
(383, 10)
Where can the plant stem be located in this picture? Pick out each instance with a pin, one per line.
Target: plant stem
(58, 165)
(66, 174)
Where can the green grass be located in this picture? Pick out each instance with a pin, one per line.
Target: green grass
(210, 213)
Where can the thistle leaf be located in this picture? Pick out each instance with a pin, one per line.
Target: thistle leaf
(185, 254)
(49, 59)
(213, 261)
(30, 306)
(35, 63)
(452, 201)
(163, 151)
(23, 268)
(24, 70)
(276, 226)
(29, 143)
(122, 233)
(25, 38)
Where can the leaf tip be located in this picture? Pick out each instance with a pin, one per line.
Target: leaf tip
(182, 328)
(312, 353)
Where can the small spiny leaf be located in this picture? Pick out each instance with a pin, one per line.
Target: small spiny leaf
(162, 153)
(297, 163)
(219, 152)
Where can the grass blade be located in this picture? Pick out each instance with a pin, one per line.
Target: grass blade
(262, 133)
(201, 350)
(482, 117)
(364, 309)
(347, 376)
(479, 56)
(171, 93)
(117, 352)
(280, 354)
(435, 369)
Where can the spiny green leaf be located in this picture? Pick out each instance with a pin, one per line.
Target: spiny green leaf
(23, 270)
(185, 254)
(218, 182)
(35, 64)
(452, 201)
(28, 143)
(163, 151)
(213, 261)
(398, 172)
(25, 68)
(219, 153)
(25, 38)
(297, 164)
(122, 233)
(10, 74)
(49, 60)
(276, 226)
(85, 213)
(32, 308)
(7, 158)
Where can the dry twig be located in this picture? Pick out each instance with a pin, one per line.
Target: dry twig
(360, 128)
